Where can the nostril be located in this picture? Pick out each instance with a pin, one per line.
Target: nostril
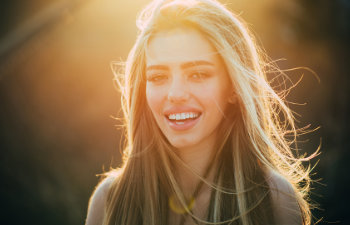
(178, 96)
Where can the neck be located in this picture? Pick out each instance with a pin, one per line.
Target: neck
(198, 158)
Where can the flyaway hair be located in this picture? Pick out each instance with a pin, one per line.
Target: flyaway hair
(258, 134)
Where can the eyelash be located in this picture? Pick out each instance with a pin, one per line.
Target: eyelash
(200, 75)
(156, 78)
(196, 76)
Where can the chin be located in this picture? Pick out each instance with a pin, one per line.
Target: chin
(182, 143)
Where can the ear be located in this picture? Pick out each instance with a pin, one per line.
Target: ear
(232, 99)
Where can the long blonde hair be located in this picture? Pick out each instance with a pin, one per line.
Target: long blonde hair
(256, 137)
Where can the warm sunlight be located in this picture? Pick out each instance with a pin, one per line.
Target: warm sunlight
(60, 104)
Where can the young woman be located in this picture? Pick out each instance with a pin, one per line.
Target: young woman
(208, 139)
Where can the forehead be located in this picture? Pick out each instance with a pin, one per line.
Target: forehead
(180, 45)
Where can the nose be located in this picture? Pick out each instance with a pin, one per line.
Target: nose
(178, 92)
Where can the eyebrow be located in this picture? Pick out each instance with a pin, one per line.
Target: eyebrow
(196, 63)
(185, 65)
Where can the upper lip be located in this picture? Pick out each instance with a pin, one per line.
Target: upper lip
(180, 109)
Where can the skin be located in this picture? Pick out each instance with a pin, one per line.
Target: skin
(185, 73)
(203, 85)
(175, 81)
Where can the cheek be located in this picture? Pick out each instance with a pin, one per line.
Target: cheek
(213, 94)
(154, 98)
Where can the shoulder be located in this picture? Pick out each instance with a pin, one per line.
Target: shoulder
(285, 204)
(97, 202)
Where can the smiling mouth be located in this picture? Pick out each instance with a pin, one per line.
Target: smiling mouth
(182, 117)
(183, 121)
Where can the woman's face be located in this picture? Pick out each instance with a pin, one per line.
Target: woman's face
(187, 87)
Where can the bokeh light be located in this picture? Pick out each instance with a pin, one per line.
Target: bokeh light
(58, 98)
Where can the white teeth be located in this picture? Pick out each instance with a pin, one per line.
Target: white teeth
(182, 116)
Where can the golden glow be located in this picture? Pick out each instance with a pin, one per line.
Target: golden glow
(179, 209)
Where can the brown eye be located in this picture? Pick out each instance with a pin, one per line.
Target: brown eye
(198, 76)
(157, 78)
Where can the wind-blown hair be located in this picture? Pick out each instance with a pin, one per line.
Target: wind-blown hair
(257, 133)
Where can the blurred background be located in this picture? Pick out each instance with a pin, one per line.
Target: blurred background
(58, 99)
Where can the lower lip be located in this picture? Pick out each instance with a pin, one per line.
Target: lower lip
(182, 126)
